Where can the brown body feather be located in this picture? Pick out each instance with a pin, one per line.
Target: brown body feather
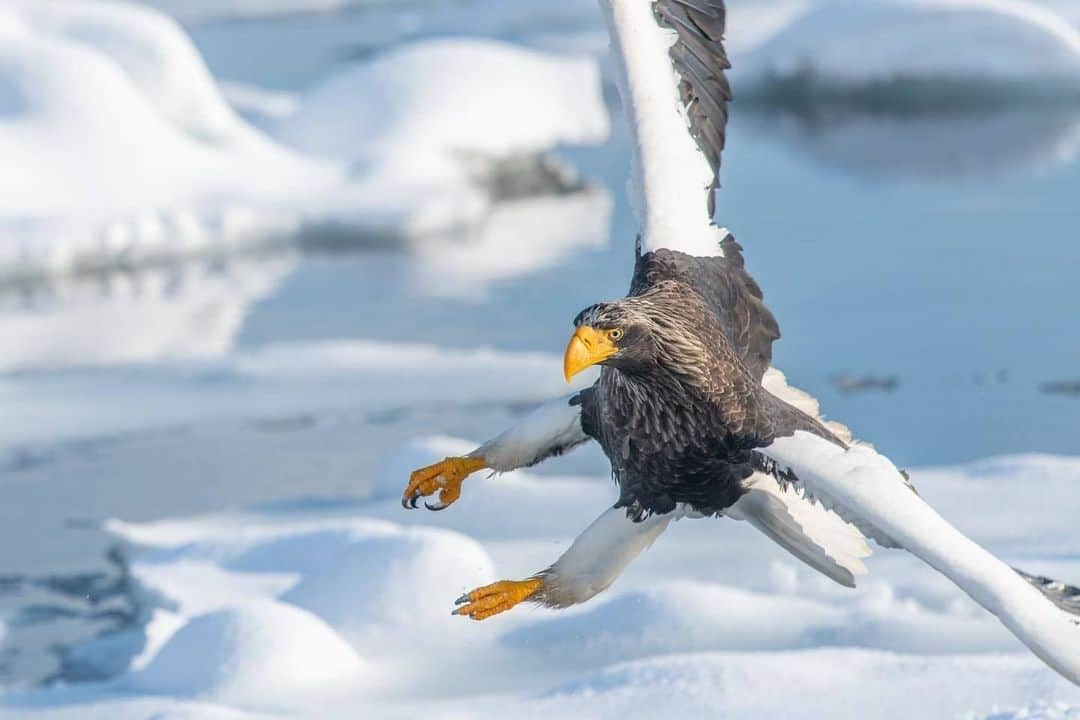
(681, 410)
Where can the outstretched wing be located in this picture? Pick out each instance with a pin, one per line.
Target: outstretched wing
(728, 289)
(675, 94)
(867, 490)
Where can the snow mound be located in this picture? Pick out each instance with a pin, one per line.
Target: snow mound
(129, 155)
(362, 576)
(295, 607)
(856, 42)
(155, 55)
(382, 585)
(423, 121)
(124, 147)
(452, 96)
(263, 654)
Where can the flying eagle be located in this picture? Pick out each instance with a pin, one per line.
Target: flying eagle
(695, 421)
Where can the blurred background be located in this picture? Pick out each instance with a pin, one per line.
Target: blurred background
(246, 246)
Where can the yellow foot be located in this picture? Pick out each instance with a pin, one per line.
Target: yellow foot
(499, 597)
(444, 478)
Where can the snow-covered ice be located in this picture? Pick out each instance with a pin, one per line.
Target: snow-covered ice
(124, 146)
(128, 153)
(413, 120)
(853, 42)
(345, 606)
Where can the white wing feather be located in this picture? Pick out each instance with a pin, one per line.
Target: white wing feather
(865, 488)
(818, 537)
(671, 177)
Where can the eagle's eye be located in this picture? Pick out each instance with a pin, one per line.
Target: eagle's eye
(615, 335)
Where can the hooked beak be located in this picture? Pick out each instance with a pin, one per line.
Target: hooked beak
(587, 347)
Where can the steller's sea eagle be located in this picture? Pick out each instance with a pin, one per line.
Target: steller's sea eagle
(695, 421)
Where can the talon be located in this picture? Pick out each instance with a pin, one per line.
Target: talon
(444, 478)
(496, 598)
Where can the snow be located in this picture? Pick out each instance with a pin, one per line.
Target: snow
(92, 86)
(415, 117)
(474, 13)
(266, 654)
(320, 610)
(408, 102)
(87, 85)
(204, 10)
(856, 42)
(128, 154)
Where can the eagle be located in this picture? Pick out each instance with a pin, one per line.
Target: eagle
(689, 410)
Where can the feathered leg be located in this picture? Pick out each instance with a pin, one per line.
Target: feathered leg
(594, 560)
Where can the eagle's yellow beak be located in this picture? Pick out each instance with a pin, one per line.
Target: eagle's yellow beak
(587, 347)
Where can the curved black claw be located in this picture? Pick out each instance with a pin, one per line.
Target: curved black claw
(435, 508)
(462, 600)
(410, 503)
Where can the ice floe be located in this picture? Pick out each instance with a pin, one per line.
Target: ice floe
(345, 607)
(127, 153)
(855, 42)
(413, 120)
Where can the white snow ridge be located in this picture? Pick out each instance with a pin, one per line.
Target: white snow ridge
(128, 153)
(852, 42)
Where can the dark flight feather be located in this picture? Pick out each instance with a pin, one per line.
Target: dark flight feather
(700, 59)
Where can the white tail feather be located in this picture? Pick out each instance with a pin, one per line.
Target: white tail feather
(818, 537)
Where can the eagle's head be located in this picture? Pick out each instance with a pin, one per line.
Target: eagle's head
(657, 330)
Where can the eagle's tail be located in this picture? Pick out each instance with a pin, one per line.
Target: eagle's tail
(815, 535)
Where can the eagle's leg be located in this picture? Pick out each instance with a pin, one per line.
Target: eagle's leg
(550, 430)
(597, 557)
(498, 597)
(444, 477)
